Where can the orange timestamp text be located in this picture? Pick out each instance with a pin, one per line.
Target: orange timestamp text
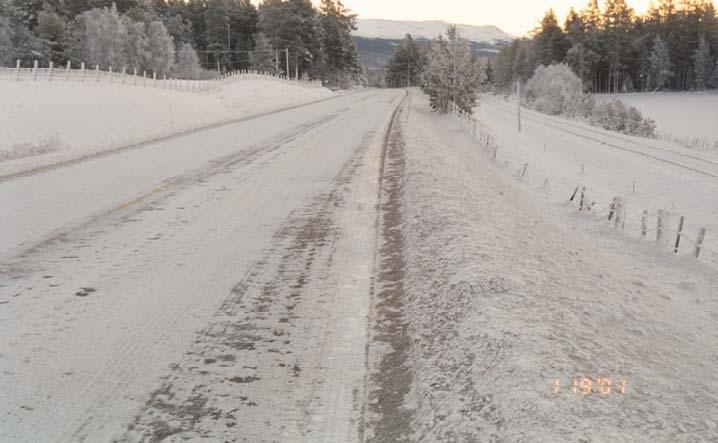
(589, 386)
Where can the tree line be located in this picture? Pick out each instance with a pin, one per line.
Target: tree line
(673, 46)
(185, 37)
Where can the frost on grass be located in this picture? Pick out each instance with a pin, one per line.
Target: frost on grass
(27, 149)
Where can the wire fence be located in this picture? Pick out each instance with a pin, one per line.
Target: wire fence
(697, 143)
(665, 228)
(137, 78)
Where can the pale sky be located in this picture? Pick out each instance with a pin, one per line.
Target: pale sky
(516, 17)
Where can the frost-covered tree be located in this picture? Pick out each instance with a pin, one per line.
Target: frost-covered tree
(100, 38)
(661, 65)
(702, 63)
(136, 45)
(51, 30)
(714, 78)
(555, 90)
(453, 73)
(6, 47)
(161, 48)
(103, 37)
(614, 115)
(264, 57)
(187, 66)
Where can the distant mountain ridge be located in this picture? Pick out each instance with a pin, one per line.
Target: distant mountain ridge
(397, 29)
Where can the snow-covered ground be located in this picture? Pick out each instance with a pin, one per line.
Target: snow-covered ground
(43, 123)
(562, 154)
(680, 115)
(211, 287)
(508, 294)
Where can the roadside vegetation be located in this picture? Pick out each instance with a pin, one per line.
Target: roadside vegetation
(673, 46)
(184, 38)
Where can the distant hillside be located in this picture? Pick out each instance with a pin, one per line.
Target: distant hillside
(374, 53)
(376, 39)
(393, 30)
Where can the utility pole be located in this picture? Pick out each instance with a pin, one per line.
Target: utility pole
(229, 41)
(287, 53)
(518, 102)
(408, 74)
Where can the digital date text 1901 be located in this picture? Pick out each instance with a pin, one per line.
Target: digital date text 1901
(588, 386)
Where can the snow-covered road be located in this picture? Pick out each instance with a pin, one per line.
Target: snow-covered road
(119, 275)
(356, 270)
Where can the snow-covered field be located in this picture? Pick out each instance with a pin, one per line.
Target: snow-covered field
(679, 115)
(43, 123)
(560, 154)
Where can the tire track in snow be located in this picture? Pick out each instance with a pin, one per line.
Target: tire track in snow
(118, 372)
(241, 365)
(389, 378)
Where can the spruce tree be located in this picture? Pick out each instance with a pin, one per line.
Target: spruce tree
(264, 57)
(406, 65)
(340, 53)
(661, 65)
(702, 64)
(51, 30)
(550, 43)
(454, 74)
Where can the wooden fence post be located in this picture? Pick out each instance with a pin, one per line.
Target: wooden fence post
(699, 242)
(659, 224)
(34, 71)
(154, 79)
(82, 70)
(52, 68)
(573, 196)
(17, 70)
(124, 74)
(110, 74)
(678, 234)
(67, 71)
(644, 228)
(612, 209)
(97, 73)
(134, 77)
(620, 213)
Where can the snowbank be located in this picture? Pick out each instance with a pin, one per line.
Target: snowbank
(43, 123)
(679, 115)
(505, 299)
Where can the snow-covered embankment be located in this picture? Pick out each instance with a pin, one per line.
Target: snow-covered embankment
(504, 301)
(43, 123)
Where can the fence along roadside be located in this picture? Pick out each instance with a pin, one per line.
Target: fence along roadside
(134, 77)
(617, 208)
